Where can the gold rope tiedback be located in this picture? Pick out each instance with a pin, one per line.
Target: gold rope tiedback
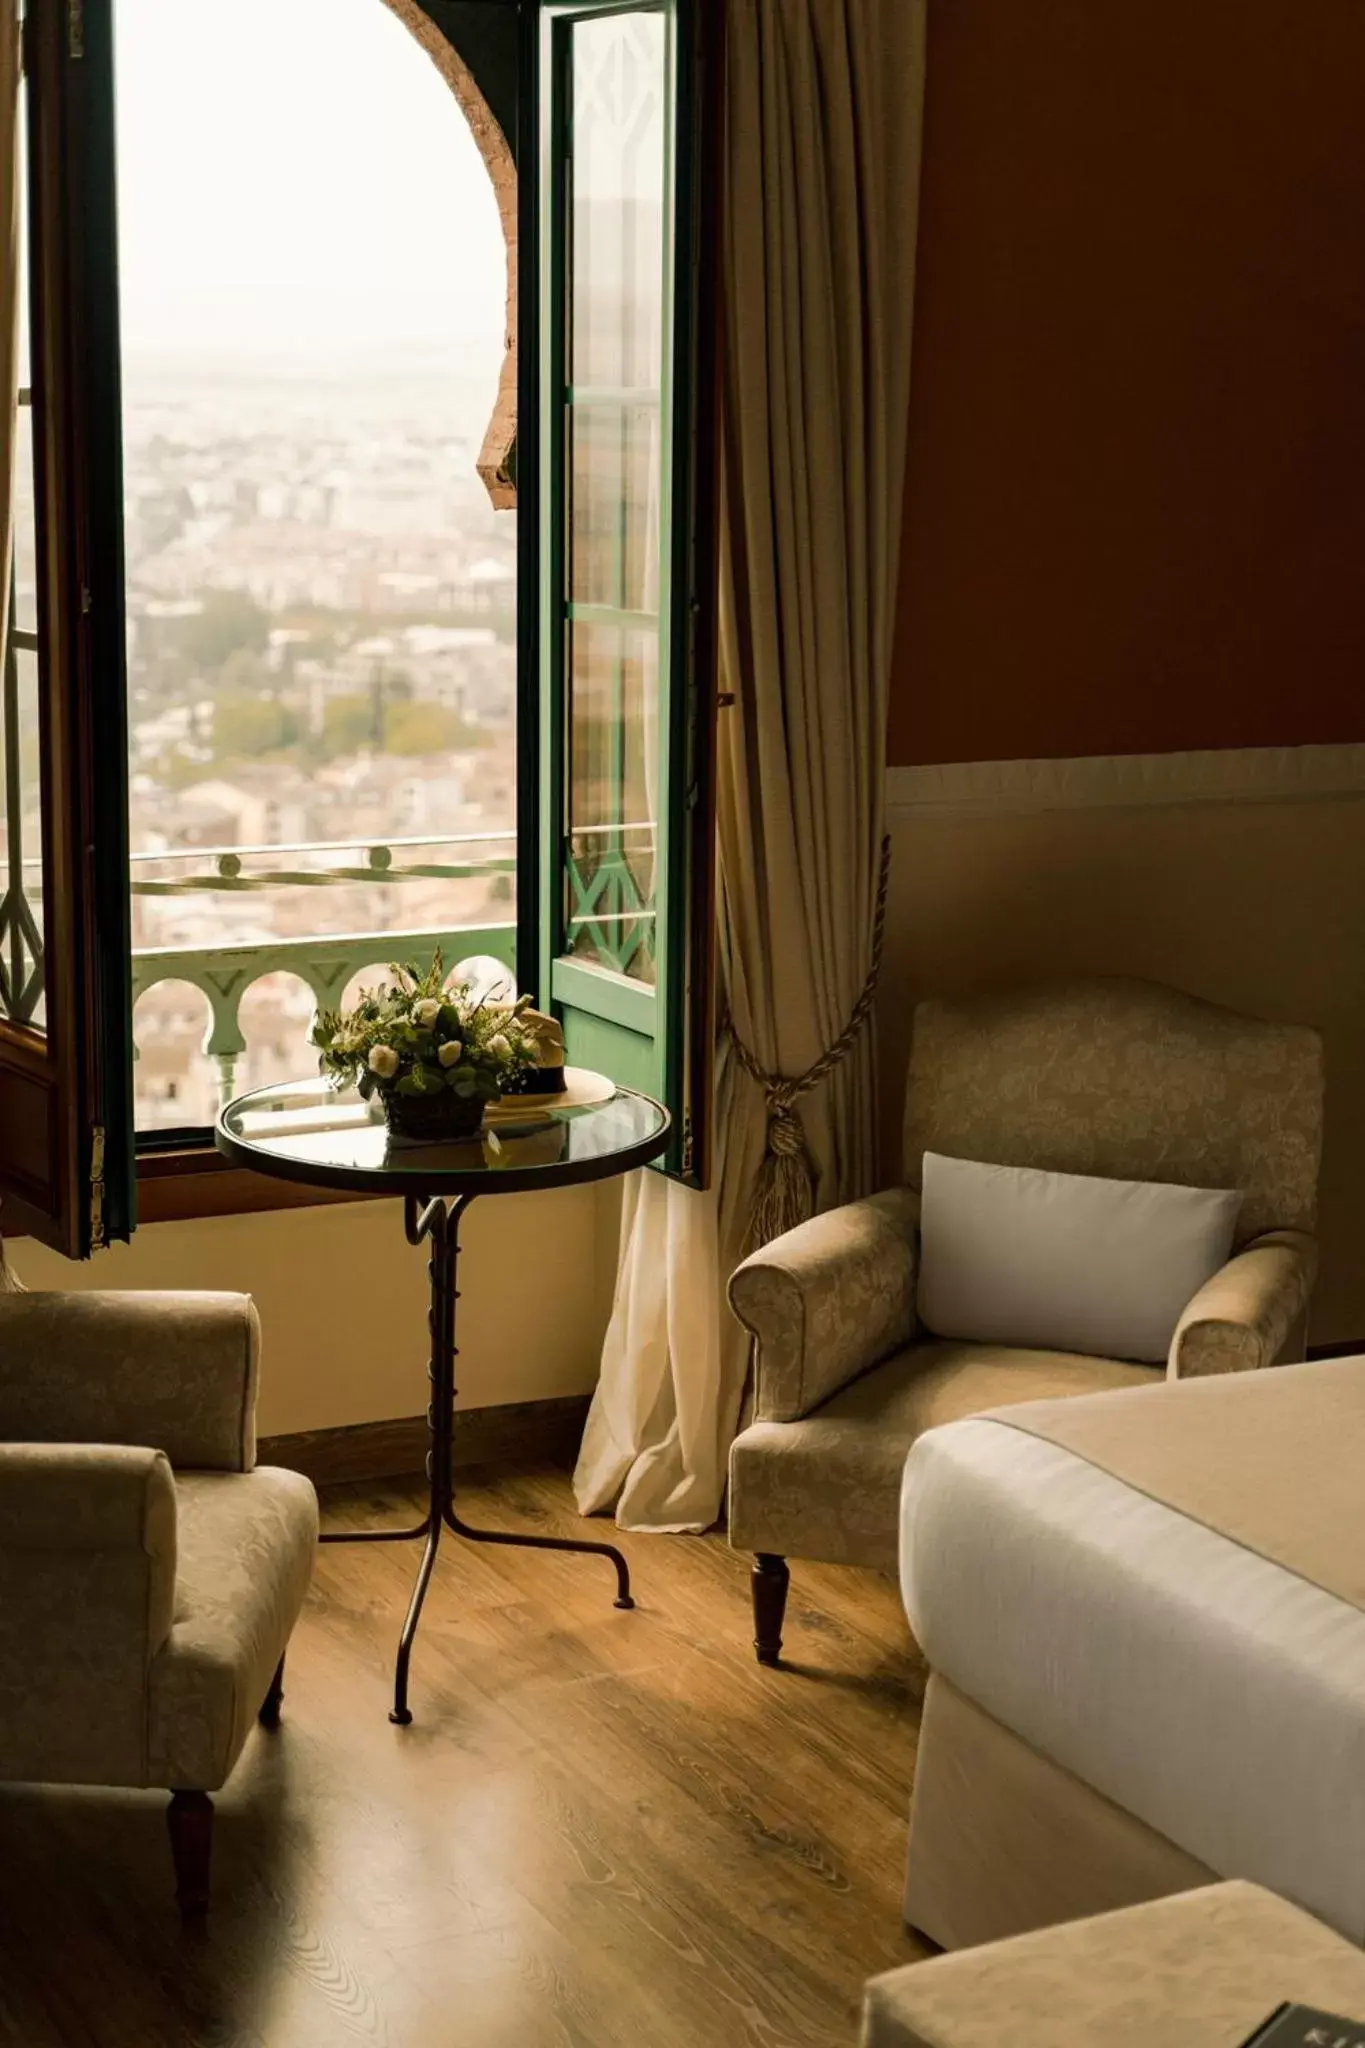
(784, 1194)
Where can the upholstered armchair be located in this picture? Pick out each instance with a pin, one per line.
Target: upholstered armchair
(1121, 1079)
(150, 1572)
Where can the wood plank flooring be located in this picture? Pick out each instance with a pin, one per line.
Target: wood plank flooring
(603, 1829)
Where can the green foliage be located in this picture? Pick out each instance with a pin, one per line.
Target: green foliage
(422, 729)
(347, 725)
(416, 1036)
(246, 726)
(229, 621)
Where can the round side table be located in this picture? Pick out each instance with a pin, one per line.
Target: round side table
(308, 1132)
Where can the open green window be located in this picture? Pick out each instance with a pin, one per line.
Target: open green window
(617, 558)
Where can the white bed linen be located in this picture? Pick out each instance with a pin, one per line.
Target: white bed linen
(1215, 1695)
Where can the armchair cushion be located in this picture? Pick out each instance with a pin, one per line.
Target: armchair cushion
(247, 1544)
(87, 1590)
(173, 1371)
(1251, 1313)
(828, 1487)
(1067, 1261)
(827, 1300)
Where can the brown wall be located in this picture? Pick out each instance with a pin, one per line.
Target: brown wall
(1136, 485)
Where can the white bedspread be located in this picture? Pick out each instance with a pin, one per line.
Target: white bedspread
(1215, 1695)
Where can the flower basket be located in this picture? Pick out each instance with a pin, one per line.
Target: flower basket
(432, 1117)
(434, 1053)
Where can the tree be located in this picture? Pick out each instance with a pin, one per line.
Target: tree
(227, 621)
(347, 726)
(245, 726)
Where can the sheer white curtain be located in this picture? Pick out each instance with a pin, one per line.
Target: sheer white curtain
(820, 200)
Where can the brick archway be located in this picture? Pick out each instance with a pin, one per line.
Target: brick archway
(496, 455)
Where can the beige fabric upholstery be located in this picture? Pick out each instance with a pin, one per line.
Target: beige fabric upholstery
(1003, 1840)
(142, 1611)
(87, 1588)
(1252, 1313)
(174, 1370)
(1127, 1080)
(1118, 1078)
(828, 1300)
(828, 1487)
(1198, 1971)
(246, 1558)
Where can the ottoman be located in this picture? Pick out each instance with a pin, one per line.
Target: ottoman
(1198, 1971)
(1144, 1615)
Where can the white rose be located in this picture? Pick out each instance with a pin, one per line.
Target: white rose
(427, 1011)
(450, 1052)
(383, 1061)
(499, 1046)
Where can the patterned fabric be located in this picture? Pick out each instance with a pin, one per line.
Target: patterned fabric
(141, 1615)
(828, 1487)
(1127, 1080)
(1252, 1313)
(175, 1371)
(87, 1587)
(1118, 1078)
(827, 1300)
(247, 1544)
(1203, 1967)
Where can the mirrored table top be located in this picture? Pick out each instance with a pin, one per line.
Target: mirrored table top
(311, 1132)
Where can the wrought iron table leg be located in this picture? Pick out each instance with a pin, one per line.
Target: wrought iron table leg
(439, 1225)
(623, 1595)
(400, 1713)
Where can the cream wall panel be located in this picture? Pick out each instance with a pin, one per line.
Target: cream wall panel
(343, 1299)
(1216, 874)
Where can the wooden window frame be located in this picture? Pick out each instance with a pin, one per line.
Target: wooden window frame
(101, 1173)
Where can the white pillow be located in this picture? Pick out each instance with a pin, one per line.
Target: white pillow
(1063, 1261)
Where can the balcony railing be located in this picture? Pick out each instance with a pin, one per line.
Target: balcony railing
(224, 974)
(611, 917)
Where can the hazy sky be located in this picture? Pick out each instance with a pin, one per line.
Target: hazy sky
(295, 174)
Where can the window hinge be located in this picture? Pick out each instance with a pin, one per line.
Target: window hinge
(687, 1145)
(75, 28)
(97, 1188)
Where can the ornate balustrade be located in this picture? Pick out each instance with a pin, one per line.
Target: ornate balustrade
(223, 974)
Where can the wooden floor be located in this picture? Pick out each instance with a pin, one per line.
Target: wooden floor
(603, 1830)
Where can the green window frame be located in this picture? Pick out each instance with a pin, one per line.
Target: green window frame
(620, 915)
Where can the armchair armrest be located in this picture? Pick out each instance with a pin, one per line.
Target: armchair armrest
(1244, 1316)
(87, 1598)
(827, 1300)
(176, 1372)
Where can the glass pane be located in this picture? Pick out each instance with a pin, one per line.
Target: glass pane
(22, 995)
(615, 261)
(321, 600)
(614, 514)
(609, 905)
(21, 856)
(617, 229)
(25, 535)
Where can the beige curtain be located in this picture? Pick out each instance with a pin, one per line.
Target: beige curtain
(819, 213)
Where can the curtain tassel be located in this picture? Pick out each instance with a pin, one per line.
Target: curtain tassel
(784, 1193)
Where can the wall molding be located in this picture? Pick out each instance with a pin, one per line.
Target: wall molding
(511, 1433)
(1236, 775)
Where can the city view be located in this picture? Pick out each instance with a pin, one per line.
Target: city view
(320, 597)
(321, 654)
